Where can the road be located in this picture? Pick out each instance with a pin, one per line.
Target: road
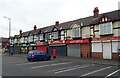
(19, 66)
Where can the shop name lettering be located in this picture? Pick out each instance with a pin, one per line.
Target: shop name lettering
(77, 41)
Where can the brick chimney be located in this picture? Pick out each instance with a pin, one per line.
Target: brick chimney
(96, 12)
(20, 32)
(35, 27)
(57, 23)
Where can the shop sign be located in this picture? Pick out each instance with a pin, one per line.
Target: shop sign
(76, 41)
(57, 42)
(106, 38)
(39, 43)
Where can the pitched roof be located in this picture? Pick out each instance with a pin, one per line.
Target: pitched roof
(114, 15)
(47, 29)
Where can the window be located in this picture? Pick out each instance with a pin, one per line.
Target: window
(30, 39)
(15, 41)
(76, 32)
(106, 28)
(26, 39)
(35, 37)
(41, 36)
(62, 35)
(55, 35)
(47, 36)
(22, 40)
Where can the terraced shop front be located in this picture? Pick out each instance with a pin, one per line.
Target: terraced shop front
(60, 47)
(24, 47)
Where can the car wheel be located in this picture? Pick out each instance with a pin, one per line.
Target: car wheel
(28, 59)
(32, 60)
(48, 58)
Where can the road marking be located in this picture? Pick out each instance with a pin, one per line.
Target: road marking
(96, 71)
(112, 73)
(72, 69)
(35, 62)
(62, 68)
(50, 65)
(7, 62)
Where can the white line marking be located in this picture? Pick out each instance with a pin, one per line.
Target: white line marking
(35, 62)
(7, 62)
(50, 65)
(63, 68)
(96, 71)
(72, 69)
(112, 73)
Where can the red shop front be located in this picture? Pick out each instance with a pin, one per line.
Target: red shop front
(41, 46)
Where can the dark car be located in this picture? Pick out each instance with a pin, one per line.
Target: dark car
(36, 55)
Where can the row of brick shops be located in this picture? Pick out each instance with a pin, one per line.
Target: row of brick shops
(104, 48)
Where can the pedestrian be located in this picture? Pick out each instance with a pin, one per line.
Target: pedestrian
(54, 53)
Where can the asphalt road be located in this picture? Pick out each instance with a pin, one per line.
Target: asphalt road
(19, 66)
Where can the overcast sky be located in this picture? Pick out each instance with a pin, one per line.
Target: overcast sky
(25, 14)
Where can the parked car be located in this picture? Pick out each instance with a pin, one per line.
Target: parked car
(36, 55)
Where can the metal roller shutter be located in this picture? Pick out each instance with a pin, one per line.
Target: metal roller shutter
(73, 50)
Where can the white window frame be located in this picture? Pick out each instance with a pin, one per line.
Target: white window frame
(26, 39)
(104, 32)
(41, 36)
(54, 35)
(74, 35)
(30, 38)
(22, 40)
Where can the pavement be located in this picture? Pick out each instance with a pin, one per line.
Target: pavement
(76, 59)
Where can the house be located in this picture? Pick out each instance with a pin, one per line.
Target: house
(95, 36)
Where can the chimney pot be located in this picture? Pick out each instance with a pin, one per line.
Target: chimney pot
(35, 27)
(96, 12)
(57, 23)
(20, 32)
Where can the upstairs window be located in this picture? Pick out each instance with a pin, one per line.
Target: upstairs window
(41, 36)
(62, 35)
(47, 36)
(26, 39)
(30, 39)
(15, 40)
(55, 35)
(35, 37)
(76, 32)
(106, 28)
(22, 40)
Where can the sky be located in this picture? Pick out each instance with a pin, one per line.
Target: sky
(25, 14)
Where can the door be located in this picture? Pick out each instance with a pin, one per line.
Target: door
(73, 50)
(107, 50)
(85, 50)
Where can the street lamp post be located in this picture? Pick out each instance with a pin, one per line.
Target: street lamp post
(9, 31)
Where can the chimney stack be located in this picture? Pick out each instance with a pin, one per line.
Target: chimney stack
(57, 23)
(20, 32)
(96, 12)
(35, 27)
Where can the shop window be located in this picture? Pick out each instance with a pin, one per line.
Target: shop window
(106, 28)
